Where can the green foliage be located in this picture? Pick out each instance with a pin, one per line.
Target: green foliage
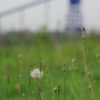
(40, 47)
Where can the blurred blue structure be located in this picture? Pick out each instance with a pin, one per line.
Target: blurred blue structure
(74, 1)
(74, 18)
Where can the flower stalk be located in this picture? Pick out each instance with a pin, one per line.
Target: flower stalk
(29, 86)
(58, 91)
(21, 83)
(37, 96)
(8, 85)
(85, 65)
(64, 69)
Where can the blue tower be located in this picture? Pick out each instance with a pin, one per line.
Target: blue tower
(74, 17)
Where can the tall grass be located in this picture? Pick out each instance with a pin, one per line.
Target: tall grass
(52, 53)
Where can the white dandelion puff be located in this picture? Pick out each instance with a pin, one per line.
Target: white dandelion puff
(36, 73)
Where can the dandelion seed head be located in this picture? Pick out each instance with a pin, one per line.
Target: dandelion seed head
(36, 73)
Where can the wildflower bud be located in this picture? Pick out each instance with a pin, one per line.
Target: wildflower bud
(63, 64)
(37, 96)
(89, 74)
(8, 77)
(83, 36)
(83, 28)
(55, 89)
(29, 81)
(46, 68)
(70, 70)
(40, 66)
(89, 87)
(20, 74)
(98, 55)
(23, 95)
(58, 89)
(64, 69)
(7, 74)
(20, 55)
(39, 86)
(73, 60)
(94, 81)
(76, 68)
(85, 70)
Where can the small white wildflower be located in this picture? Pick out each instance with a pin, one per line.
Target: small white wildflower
(55, 89)
(73, 60)
(36, 73)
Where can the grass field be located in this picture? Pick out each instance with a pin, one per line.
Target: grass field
(52, 52)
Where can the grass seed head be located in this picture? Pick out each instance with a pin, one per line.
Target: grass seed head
(58, 89)
(76, 68)
(23, 95)
(73, 60)
(94, 81)
(89, 87)
(20, 74)
(83, 36)
(98, 55)
(55, 89)
(89, 74)
(64, 69)
(8, 77)
(29, 81)
(37, 96)
(83, 28)
(46, 68)
(39, 86)
(40, 66)
(20, 55)
(70, 70)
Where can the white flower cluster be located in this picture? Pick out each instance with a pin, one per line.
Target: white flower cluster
(36, 73)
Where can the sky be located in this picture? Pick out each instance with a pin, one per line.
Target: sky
(34, 17)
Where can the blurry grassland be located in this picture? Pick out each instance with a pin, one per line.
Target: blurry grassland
(54, 50)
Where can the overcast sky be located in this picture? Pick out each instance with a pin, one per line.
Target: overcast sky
(35, 16)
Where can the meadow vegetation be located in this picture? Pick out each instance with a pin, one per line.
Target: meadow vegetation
(24, 52)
